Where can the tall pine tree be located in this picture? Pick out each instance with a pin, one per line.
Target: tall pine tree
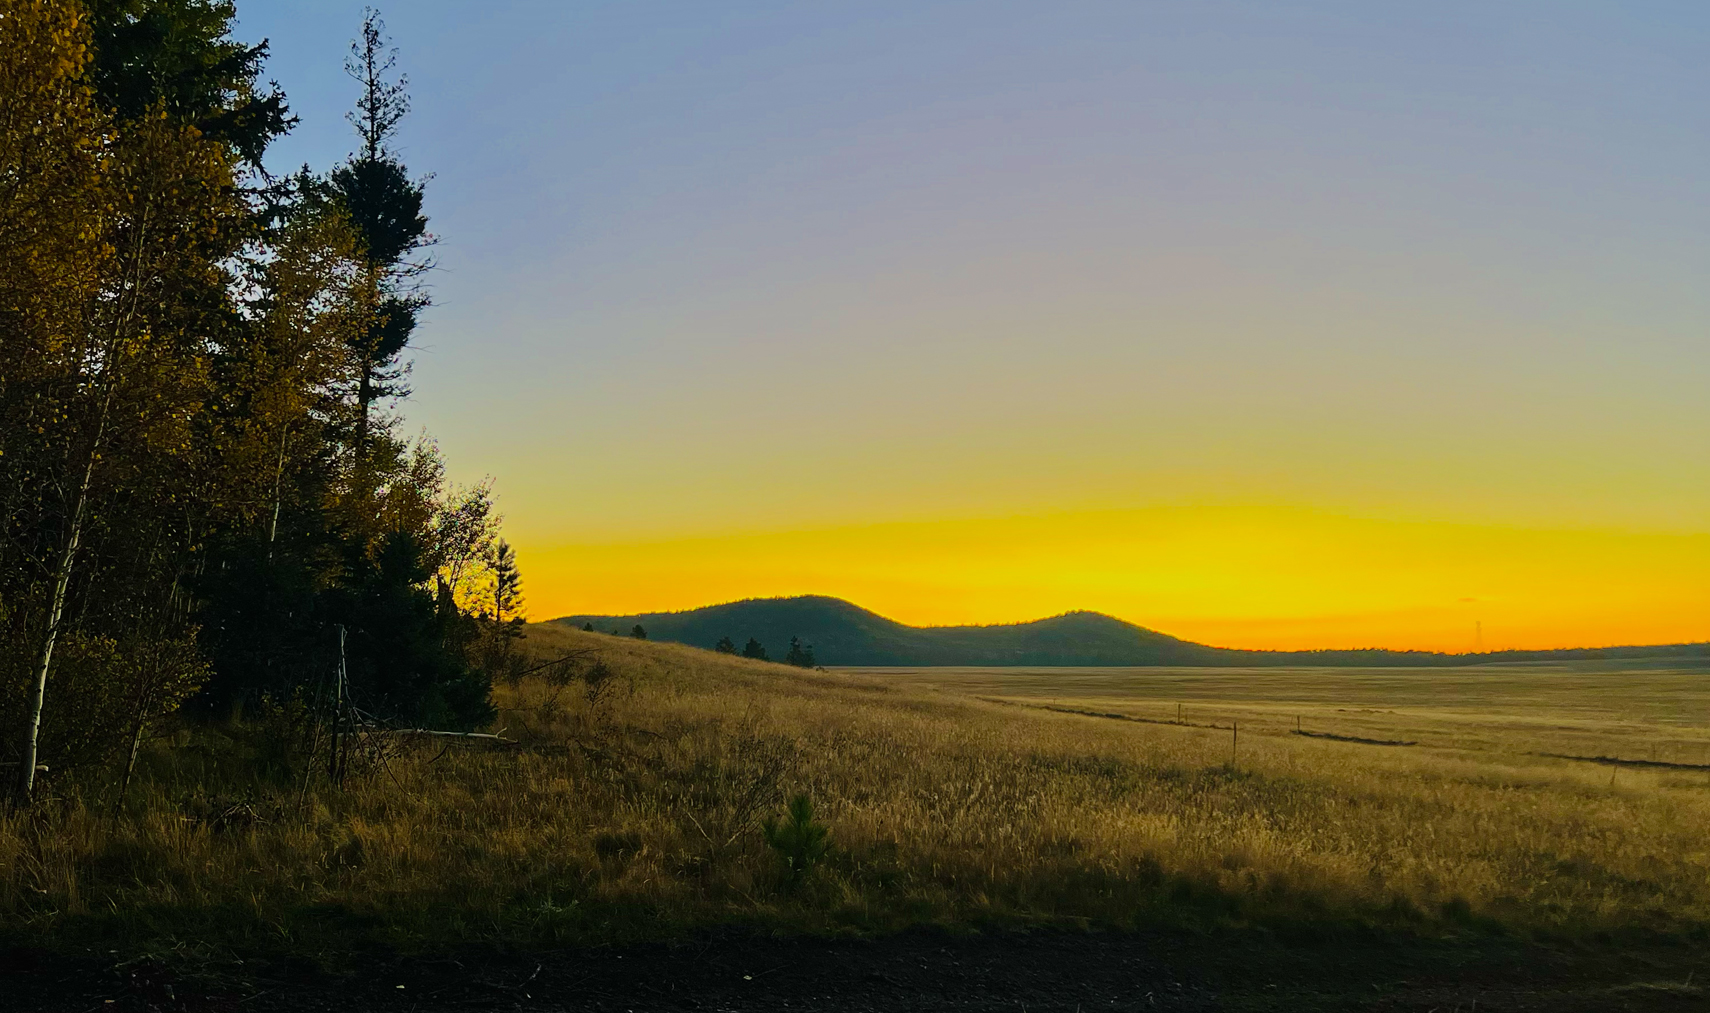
(384, 205)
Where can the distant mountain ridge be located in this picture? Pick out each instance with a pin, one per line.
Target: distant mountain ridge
(843, 633)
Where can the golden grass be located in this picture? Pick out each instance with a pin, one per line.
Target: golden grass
(953, 798)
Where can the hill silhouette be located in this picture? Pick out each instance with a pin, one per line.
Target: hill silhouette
(843, 633)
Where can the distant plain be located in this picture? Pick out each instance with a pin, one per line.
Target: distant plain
(1507, 714)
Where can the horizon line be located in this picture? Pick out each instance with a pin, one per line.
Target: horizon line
(1148, 629)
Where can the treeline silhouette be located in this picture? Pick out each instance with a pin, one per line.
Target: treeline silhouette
(799, 654)
(206, 496)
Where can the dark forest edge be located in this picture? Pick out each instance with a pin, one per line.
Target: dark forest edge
(207, 499)
(842, 633)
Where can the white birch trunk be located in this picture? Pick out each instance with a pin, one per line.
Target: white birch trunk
(56, 611)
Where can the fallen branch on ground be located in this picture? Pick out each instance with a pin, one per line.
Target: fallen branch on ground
(481, 736)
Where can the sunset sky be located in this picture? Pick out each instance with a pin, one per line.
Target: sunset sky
(1263, 324)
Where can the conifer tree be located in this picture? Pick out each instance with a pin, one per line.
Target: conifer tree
(385, 206)
(800, 654)
(507, 582)
(178, 56)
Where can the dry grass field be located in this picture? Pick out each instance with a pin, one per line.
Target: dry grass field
(629, 806)
(1591, 709)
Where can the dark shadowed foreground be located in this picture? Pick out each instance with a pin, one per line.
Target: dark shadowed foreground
(911, 971)
(1109, 839)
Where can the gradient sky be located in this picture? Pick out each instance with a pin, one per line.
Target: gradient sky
(1267, 324)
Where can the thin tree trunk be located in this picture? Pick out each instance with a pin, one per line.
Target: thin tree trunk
(137, 730)
(365, 385)
(340, 738)
(56, 609)
(68, 552)
(278, 484)
(364, 394)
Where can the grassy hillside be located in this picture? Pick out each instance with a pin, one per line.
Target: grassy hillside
(630, 801)
(846, 634)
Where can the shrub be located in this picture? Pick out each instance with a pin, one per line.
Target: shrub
(799, 842)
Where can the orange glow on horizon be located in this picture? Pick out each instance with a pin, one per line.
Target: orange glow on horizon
(1265, 577)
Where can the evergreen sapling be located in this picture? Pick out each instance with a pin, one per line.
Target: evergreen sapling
(800, 843)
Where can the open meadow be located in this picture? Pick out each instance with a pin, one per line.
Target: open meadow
(627, 800)
(1646, 716)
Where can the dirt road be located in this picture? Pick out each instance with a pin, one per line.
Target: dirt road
(922, 971)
